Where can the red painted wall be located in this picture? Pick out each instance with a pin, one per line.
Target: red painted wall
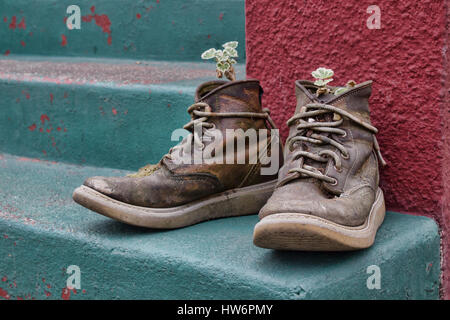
(286, 40)
(445, 113)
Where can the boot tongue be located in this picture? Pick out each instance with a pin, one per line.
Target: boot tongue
(227, 96)
(306, 93)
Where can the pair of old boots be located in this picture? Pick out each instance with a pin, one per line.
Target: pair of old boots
(325, 196)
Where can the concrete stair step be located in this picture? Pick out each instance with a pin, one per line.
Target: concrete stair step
(103, 112)
(130, 29)
(43, 232)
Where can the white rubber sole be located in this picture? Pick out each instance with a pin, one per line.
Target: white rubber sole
(302, 232)
(236, 202)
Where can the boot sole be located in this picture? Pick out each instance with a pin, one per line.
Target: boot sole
(303, 232)
(235, 202)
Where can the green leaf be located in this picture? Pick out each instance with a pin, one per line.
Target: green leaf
(231, 52)
(220, 55)
(209, 54)
(322, 73)
(321, 82)
(223, 66)
(232, 61)
(230, 44)
(340, 90)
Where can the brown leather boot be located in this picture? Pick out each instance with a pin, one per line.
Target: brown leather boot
(180, 190)
(327, 197)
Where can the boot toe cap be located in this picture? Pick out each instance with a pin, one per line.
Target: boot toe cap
(349, 211)
(100, 184)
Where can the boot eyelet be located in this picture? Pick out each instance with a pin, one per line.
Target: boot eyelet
(345, 156)
(337, 170)
(334, 183)
(344, 135)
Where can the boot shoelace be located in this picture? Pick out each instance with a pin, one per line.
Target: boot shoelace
(319, 139)
(200, 112)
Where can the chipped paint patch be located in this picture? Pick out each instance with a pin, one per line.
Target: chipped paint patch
(63, 40)
(65, 295)
(13, 25)
(100, 20)
(36, 159)
(44, 118)
(4, 294)
(22, 24)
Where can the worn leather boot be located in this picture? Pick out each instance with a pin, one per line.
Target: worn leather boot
(327, 197)
(180, 191)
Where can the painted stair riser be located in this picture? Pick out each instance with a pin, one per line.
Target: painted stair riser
(106, 126)
(145, 29)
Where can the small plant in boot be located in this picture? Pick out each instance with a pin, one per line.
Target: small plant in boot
(175, 193)
(224, 59)
(323, 77)
(327, 197)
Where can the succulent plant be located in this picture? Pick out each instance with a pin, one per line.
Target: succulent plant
(323, 77)
(224, 59)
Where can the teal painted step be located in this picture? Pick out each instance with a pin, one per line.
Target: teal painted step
(43, 232)
(112, 113)
(144, 29)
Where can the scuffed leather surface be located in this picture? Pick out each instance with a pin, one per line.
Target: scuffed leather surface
(160, 189)
(350, 200)
(174, 184)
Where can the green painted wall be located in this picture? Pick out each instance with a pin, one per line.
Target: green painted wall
(91, 119)
(143, 29)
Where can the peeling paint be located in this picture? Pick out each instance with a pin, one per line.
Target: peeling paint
(22, 24)
(100, 20)
(105, 16)
(65, 295)
(63, 40)
(44, 118)
(4, 294)
(13, 25)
